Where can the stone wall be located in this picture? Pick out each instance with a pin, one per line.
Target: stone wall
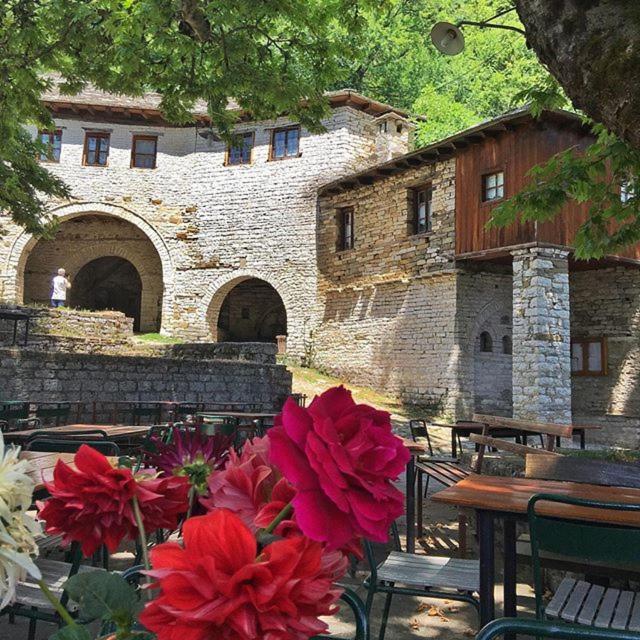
(606, 303)
(211, 225)
(48, 377)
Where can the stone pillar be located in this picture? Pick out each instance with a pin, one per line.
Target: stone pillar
(541, 336)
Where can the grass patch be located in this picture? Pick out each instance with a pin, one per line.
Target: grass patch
(608, 455)
(157, 338)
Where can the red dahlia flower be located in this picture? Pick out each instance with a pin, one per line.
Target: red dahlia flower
(162, 501)
(341, 457)
(215, 587)
(90, 504)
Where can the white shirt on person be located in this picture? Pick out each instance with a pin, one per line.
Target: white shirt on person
(60, 286)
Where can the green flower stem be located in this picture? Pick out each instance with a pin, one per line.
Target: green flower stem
(286, 511)
(192, 500)
(137, 514)
(57, 605)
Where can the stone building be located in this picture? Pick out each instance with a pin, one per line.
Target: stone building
(421, 299)
(183, 233)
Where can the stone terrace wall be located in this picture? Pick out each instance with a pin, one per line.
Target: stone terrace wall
(48, 377)
(606, 303)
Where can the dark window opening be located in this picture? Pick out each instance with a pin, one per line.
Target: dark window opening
(96, 149)
(422, 209)
(240, 151)
(53, 142)
(507, 345)
(493, 186)
(486, 343)
(245, 315)
(285, 143)
(346, 231)
(144, 151)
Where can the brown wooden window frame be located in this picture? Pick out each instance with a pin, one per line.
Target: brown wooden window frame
(484, 188)
(243, 136)
(346, 239)
(134, 154)
(584, 345)
(427, 190)
(286, 131)
(50, 145)
(102, 135)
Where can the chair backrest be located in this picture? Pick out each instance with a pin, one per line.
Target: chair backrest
(71, 446)
(419, 429)
(357, 607)
(59, 412)
(580, 539)
(83, 434)
(578, 469)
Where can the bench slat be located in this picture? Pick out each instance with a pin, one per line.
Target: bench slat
(574, 604)
(634, 621)
(560, 597)
(607, 608)
(621, 616)
(590, 606)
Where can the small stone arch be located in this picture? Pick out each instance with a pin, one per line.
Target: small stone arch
(225, 285)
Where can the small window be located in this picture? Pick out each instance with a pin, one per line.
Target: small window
(53, 142)
(383, 126)
(240, 151)
(96, 149)
(507, 346)
(285, 143)
(589, 357)
(144, 150)
(422, 197)
(346, 235)
(627, 190)
(486, 343)
(493, 186)
(245, 314)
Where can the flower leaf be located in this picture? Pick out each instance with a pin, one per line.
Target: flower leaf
(77, 632)
(106, 596)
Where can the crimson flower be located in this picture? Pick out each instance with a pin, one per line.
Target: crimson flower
(90, 504)
(342, 459)
(192, 454)
(216, 586)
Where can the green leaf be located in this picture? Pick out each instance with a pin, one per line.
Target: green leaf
(76, 632)
(106, 596)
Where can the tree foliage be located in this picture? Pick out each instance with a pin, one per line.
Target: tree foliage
(270, 57)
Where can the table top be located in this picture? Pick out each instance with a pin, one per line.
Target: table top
(511, 495)
(113, 431)
(236, 414)
(463, 425)
(43, 463)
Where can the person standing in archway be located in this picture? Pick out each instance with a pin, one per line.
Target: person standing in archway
(59, 286)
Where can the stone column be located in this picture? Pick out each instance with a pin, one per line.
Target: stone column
(541, 336)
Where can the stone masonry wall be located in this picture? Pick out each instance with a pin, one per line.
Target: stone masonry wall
(210, 224)
(606, 303)
(48, 377)
(389, 303)
(541, 336)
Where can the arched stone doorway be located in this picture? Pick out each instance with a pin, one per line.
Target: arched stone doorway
(249, 310)
(104, 250)
(109, 283)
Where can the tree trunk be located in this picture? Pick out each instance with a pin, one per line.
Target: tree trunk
(592, 47)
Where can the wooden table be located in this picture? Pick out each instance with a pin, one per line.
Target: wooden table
(43, 464)
(505, 498)
(115, 432)
(249, 415)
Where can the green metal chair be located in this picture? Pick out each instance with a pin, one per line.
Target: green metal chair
(360, 615)
(546, 629)
(410, 574)
(588, 543)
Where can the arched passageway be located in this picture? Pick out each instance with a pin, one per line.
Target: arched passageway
(250, 311)
(111, 263)
(109, 283)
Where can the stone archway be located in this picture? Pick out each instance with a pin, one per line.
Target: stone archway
(247, 309)
(86, 236)
(156, 299)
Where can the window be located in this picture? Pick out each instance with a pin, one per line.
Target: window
(285, 143)
(589, 357)
(422, 209)
(346, 236)
(144, 150)
(53, 141)
(96, 149)
(240, 151)
(627, 190)
(486, 343)
(492, 186)
(507, 346)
